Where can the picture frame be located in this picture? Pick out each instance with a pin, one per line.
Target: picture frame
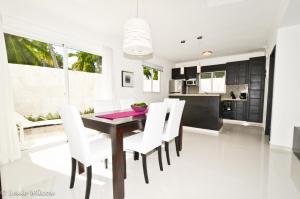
(127, 79)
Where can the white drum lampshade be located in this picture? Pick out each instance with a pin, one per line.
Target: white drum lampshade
(137, 37)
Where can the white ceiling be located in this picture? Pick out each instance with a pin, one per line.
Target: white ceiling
(227, 26)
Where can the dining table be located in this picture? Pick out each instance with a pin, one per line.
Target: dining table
(117, 129)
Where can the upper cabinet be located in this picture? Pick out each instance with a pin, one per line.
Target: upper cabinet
(190, 72)
(237, 73)
(176, 74)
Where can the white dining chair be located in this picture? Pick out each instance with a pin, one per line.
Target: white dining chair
(150, 138)
(126, 103)
(169, 102)
(101, 106)
(171, 129)
(87, 152)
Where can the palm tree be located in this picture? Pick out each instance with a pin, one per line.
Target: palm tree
(21, 50)
(86, 62)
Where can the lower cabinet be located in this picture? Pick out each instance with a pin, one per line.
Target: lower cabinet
(234, 110)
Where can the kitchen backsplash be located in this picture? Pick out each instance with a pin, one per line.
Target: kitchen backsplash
(192, 90)
(237, 89)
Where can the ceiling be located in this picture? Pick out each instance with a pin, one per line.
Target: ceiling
(227, 26)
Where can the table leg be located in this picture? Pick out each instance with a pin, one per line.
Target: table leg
(117, 163)
(180, 137)
(80, 168)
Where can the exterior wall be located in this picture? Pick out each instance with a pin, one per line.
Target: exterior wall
(40, 90)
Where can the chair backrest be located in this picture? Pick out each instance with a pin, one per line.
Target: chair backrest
(169, 102)
(101, 106)
(77, 139)
(126, 103)
(154, 126)
(172, 128)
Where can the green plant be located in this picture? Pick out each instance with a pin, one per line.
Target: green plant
(147, 72)
(39, 118)
(141, 104)
(86, 62)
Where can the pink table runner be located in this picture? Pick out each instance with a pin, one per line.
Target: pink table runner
(117, 115)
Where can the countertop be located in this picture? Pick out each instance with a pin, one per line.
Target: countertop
(230, 99)
(198, 94)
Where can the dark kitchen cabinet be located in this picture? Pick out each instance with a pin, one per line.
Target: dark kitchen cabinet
(176, 74)
(190, 72)
(213, 68)
(234, 110)
(237, 73)
(256, 88)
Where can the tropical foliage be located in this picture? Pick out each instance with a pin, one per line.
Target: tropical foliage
(21, 50)
(86, 62)
(148, 72)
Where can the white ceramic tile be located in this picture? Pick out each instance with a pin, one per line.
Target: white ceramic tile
(237, 164)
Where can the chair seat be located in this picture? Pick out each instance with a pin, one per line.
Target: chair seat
(100, 149)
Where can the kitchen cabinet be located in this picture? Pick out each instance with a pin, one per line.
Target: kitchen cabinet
(237, 73)
(176, 74)
(213, 68)
(190, 72)
(234, 110)
(256, 88)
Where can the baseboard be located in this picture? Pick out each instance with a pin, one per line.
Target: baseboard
(281, 148)
(244, 123)
(201, 131)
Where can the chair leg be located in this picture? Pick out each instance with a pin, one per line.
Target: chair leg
(144, 157)
(136, 155)
(73, 172)
(167, 152)
(88, 182)
(159, 158)
(177, 146)
(124, 159)
(106, 163)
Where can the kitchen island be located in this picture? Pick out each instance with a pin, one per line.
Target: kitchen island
(201, 111)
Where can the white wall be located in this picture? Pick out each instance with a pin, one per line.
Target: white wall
(81, 38)
(286, 106)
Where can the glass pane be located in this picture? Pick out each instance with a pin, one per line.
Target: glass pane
(156, 80)
(219, 84)
(206, 75)
(147, 79)
(21, 50)
(84, 62)
(84, 79)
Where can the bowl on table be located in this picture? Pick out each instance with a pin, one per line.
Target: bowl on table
(139, 107)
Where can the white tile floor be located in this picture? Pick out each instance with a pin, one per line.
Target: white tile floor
(238, 164)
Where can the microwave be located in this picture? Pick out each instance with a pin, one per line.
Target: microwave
(191, 82)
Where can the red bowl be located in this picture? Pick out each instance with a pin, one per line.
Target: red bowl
(139, 108)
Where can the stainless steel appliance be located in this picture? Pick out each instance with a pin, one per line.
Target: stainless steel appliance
(191, 82)
(175, 86)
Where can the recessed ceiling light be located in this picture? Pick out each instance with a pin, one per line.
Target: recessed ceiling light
(207, 53)
(182, 41)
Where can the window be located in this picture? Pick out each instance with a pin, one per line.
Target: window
(42, 82)
(213, 82)
(151, 79)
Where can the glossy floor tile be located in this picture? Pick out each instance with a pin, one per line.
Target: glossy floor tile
(236, 164)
